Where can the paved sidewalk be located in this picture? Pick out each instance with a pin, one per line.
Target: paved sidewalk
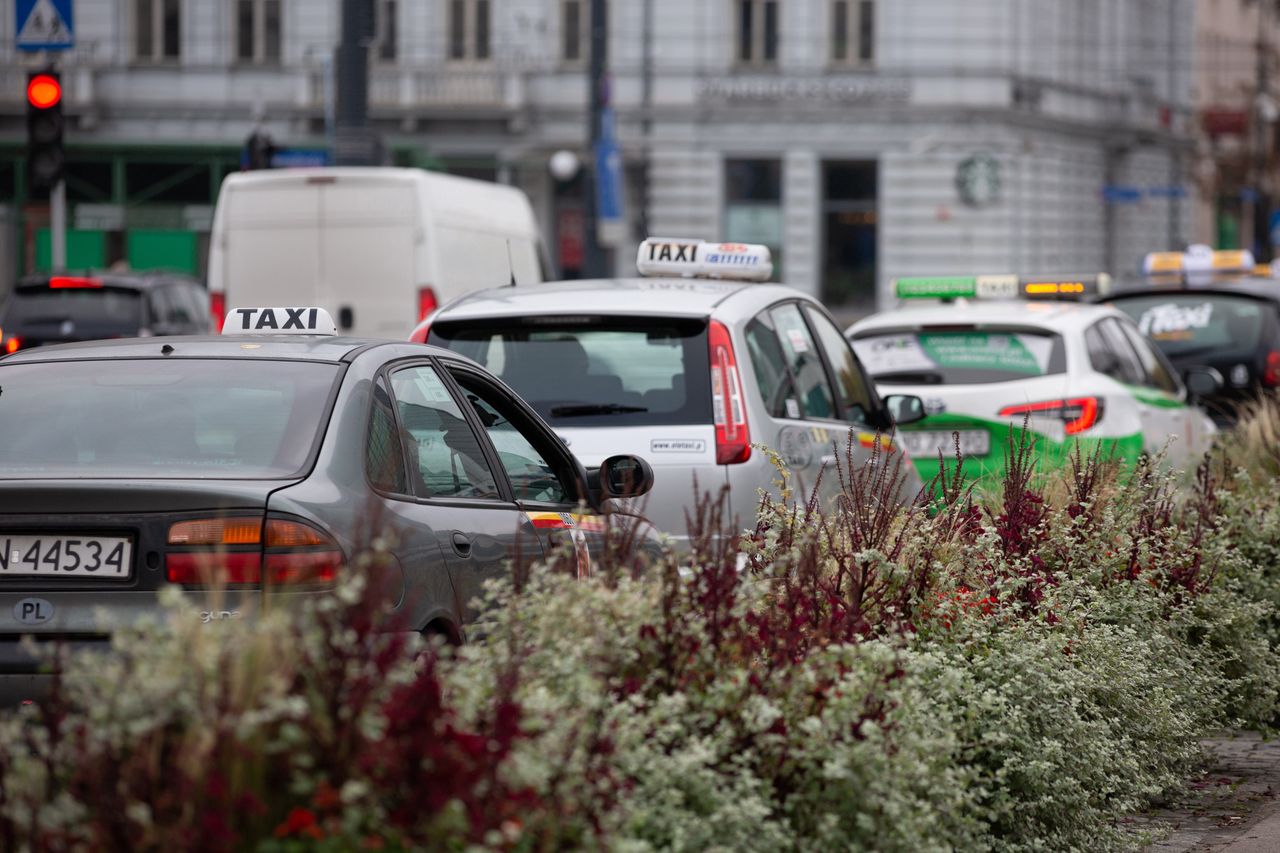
(1234, 807)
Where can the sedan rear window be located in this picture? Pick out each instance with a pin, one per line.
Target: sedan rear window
(596, 371)
(85, 312)
(959, 356)
(166, 419)
(1193, 324)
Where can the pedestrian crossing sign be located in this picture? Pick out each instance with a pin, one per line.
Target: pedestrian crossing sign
(43, 25)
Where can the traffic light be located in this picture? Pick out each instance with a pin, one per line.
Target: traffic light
(45, 155)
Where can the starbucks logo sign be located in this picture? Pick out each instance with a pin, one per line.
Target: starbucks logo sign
(978, 180)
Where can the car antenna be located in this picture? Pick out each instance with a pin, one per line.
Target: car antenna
(511, 265)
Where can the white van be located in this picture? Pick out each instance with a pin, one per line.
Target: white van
(379, 248)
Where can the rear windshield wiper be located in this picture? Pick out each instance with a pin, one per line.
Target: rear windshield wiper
(594, 409)
(911, 377)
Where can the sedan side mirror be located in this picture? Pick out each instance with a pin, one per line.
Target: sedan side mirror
(904, 408)
(625, 476)
(1203, 381)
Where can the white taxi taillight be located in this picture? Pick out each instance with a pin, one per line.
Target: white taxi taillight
(241, 551)
(427, 302)
(733, 440)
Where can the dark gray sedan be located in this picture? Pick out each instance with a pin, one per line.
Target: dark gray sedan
(262, 463)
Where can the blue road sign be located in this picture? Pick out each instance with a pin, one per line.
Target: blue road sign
(610, 201)
(43, 25)
(295, 158)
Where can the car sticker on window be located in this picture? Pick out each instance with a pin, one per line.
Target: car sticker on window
(799, 343)
(1011, 353)
(1173, 322)
(793, 408)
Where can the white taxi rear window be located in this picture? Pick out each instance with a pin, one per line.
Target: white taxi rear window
(959, 356)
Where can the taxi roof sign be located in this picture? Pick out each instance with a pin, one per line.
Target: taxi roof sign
(279, 321)
(1005, 286)
(692, 258)
(1199, 264)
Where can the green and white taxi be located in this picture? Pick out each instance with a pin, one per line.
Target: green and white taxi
(987, 353)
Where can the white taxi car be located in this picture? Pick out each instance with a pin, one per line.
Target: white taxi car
(698, 362)
(987, 353)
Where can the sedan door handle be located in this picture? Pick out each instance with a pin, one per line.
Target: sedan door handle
(461, 545)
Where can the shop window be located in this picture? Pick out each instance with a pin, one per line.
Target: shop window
(853, 29)
(757, 32)
(469, 30)
(850, 223)
(753, 204)
(258, 31)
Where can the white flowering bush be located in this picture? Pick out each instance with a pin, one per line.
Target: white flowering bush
(1011, 672)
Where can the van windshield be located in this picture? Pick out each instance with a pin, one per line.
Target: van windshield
(592, 371)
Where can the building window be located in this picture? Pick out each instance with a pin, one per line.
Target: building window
(853, 32)
(258, 31)
(850, 220)
(753, 204)
(575, 30)
(384, 30)
(469, 32)
(757, 32)
(158, 30)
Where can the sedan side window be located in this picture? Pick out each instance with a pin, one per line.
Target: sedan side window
(1130, 369)
(444, 454)
(534, 477)
(851, 382)
(770, 367)
(383, 452)
(1102, 357)
(1157, 375)
(816, 397)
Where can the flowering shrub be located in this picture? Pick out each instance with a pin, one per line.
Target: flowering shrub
(1011, 671)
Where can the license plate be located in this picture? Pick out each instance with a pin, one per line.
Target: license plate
(33, 556)
(927, 443)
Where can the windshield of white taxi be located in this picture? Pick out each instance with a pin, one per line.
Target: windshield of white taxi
(959, 356)
(227, 419)
(595, 371)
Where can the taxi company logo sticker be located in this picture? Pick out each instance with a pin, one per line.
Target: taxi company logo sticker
(677, 445)
(33, 611)
(1171, 319)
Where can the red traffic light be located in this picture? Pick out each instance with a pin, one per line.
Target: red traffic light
(44, 91)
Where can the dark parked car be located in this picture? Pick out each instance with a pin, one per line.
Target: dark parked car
(1230, 323)
(262, 462)
(57, 308)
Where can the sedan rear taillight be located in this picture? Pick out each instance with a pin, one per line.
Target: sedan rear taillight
(239, 551)
(733, 440)
(1077, 414)
(12, 344)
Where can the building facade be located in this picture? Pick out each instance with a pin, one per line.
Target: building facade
(1237, 99)
(861, 139)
